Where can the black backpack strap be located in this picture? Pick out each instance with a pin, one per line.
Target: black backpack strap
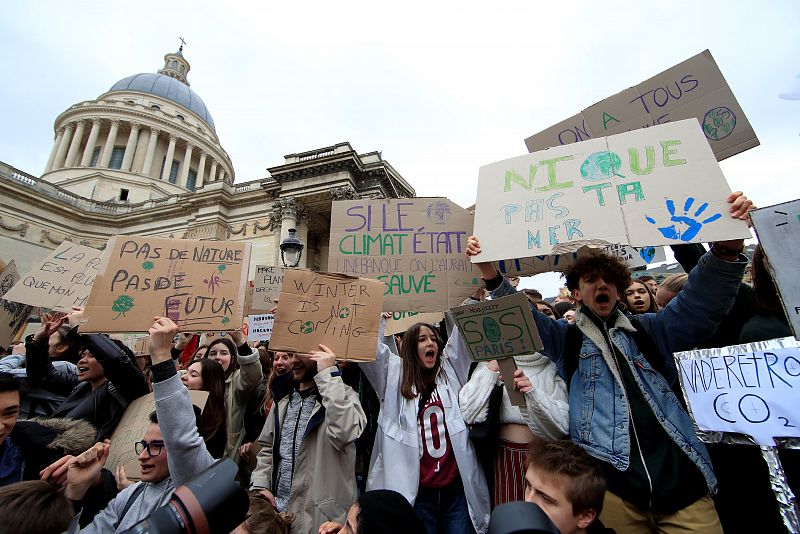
(572, 349)
(132, 499)
(648, 348)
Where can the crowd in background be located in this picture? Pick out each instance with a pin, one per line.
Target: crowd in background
(419, 440)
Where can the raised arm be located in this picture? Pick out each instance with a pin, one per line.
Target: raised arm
(552, 332)
(118, 367)
(344, 416)
(188, 455)
(376, 372)
(40, 369)
(246, 381)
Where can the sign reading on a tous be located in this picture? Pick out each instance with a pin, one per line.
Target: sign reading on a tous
(198, 284)
(751, 389)
(339, 311)
(267, 284)
(692, 89)
(778, 229)
(60, 281)
(414, 246)
(498, 328)
(657, 186)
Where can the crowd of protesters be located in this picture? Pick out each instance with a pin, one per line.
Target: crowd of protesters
(420, 440)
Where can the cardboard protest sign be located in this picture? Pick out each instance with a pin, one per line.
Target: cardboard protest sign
(555, 201)
(693, 89)
(267, 286)
(399, 322)
(198, 284)
(634, 257)
(259, 327)
(778, 230)
(751, 389)
(413, 245)
(498, 328)
(131, 429)
(13, 315)
(339, 311)
(60, 281)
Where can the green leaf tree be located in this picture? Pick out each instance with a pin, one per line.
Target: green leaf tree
(225, 320)
(148, 266)
(122, 305)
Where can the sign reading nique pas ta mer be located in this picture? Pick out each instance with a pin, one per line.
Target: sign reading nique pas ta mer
(656, 186)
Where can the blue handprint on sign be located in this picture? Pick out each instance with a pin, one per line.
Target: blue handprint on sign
(685, 228)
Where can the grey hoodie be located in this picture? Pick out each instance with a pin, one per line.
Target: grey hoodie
(188, 457)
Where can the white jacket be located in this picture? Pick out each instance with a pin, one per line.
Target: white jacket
(396, 453)
(547, 405)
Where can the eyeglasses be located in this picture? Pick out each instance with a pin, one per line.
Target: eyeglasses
(153, 448)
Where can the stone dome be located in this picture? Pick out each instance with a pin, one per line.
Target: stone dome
(168, 88)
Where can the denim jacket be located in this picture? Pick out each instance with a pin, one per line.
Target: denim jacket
(598, 407)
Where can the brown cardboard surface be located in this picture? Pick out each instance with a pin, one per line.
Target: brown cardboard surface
(131, 428)
(61, 280)
(647, 187)
(498, 328)
(507, 368)
(399, 322)
(339, 311)
(694, 88)
(13, 315)
(413, 245)
(200, 285)
(267, 283)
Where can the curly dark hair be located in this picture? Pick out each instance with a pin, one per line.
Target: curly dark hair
(612, 270)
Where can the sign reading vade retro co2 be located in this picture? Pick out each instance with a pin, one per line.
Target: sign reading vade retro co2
(414, 245)
(656, 186)
(751, 389)
(198, 284)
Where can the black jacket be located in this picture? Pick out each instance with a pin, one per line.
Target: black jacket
(104, 406)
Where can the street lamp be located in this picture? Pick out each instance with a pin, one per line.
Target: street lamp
(291, 249)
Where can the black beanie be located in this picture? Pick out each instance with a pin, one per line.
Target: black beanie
(387, 512)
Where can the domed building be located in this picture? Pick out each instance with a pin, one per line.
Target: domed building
(144, 158)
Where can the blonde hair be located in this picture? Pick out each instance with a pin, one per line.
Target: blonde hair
(675, 282)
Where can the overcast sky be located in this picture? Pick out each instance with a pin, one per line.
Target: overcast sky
(440, 88)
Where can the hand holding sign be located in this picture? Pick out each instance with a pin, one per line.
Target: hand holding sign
(324, 357)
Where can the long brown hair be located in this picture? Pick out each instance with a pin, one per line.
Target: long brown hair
(214, 414)
(234, 365)
(413, 377)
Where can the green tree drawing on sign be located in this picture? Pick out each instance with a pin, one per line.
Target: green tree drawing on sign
(122, 305)
(148, 265)
(226, 320)
(220, 268)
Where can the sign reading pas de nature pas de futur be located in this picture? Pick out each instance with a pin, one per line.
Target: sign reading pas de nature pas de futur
(198, 284)
(649, 187)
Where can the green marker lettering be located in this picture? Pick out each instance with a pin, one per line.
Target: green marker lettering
(599, 189)
(634, 156)
(606, 119)
(551, 175)
(665, 145)
(632, 188)
(514, 176)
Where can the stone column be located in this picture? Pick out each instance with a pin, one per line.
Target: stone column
(221, 174)
(62, 148)
(89, 149)
(201, 168)
(147, 166)
(76, 143)
(109, 146)
(187, 163)
(168, 160)
(212, 175)
(130, 148)
(54, 150)
(292, 215)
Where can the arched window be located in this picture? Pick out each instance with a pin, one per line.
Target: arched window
(155, 107)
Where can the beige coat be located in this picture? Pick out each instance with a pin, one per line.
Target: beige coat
(324, 484)
(240, 387)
